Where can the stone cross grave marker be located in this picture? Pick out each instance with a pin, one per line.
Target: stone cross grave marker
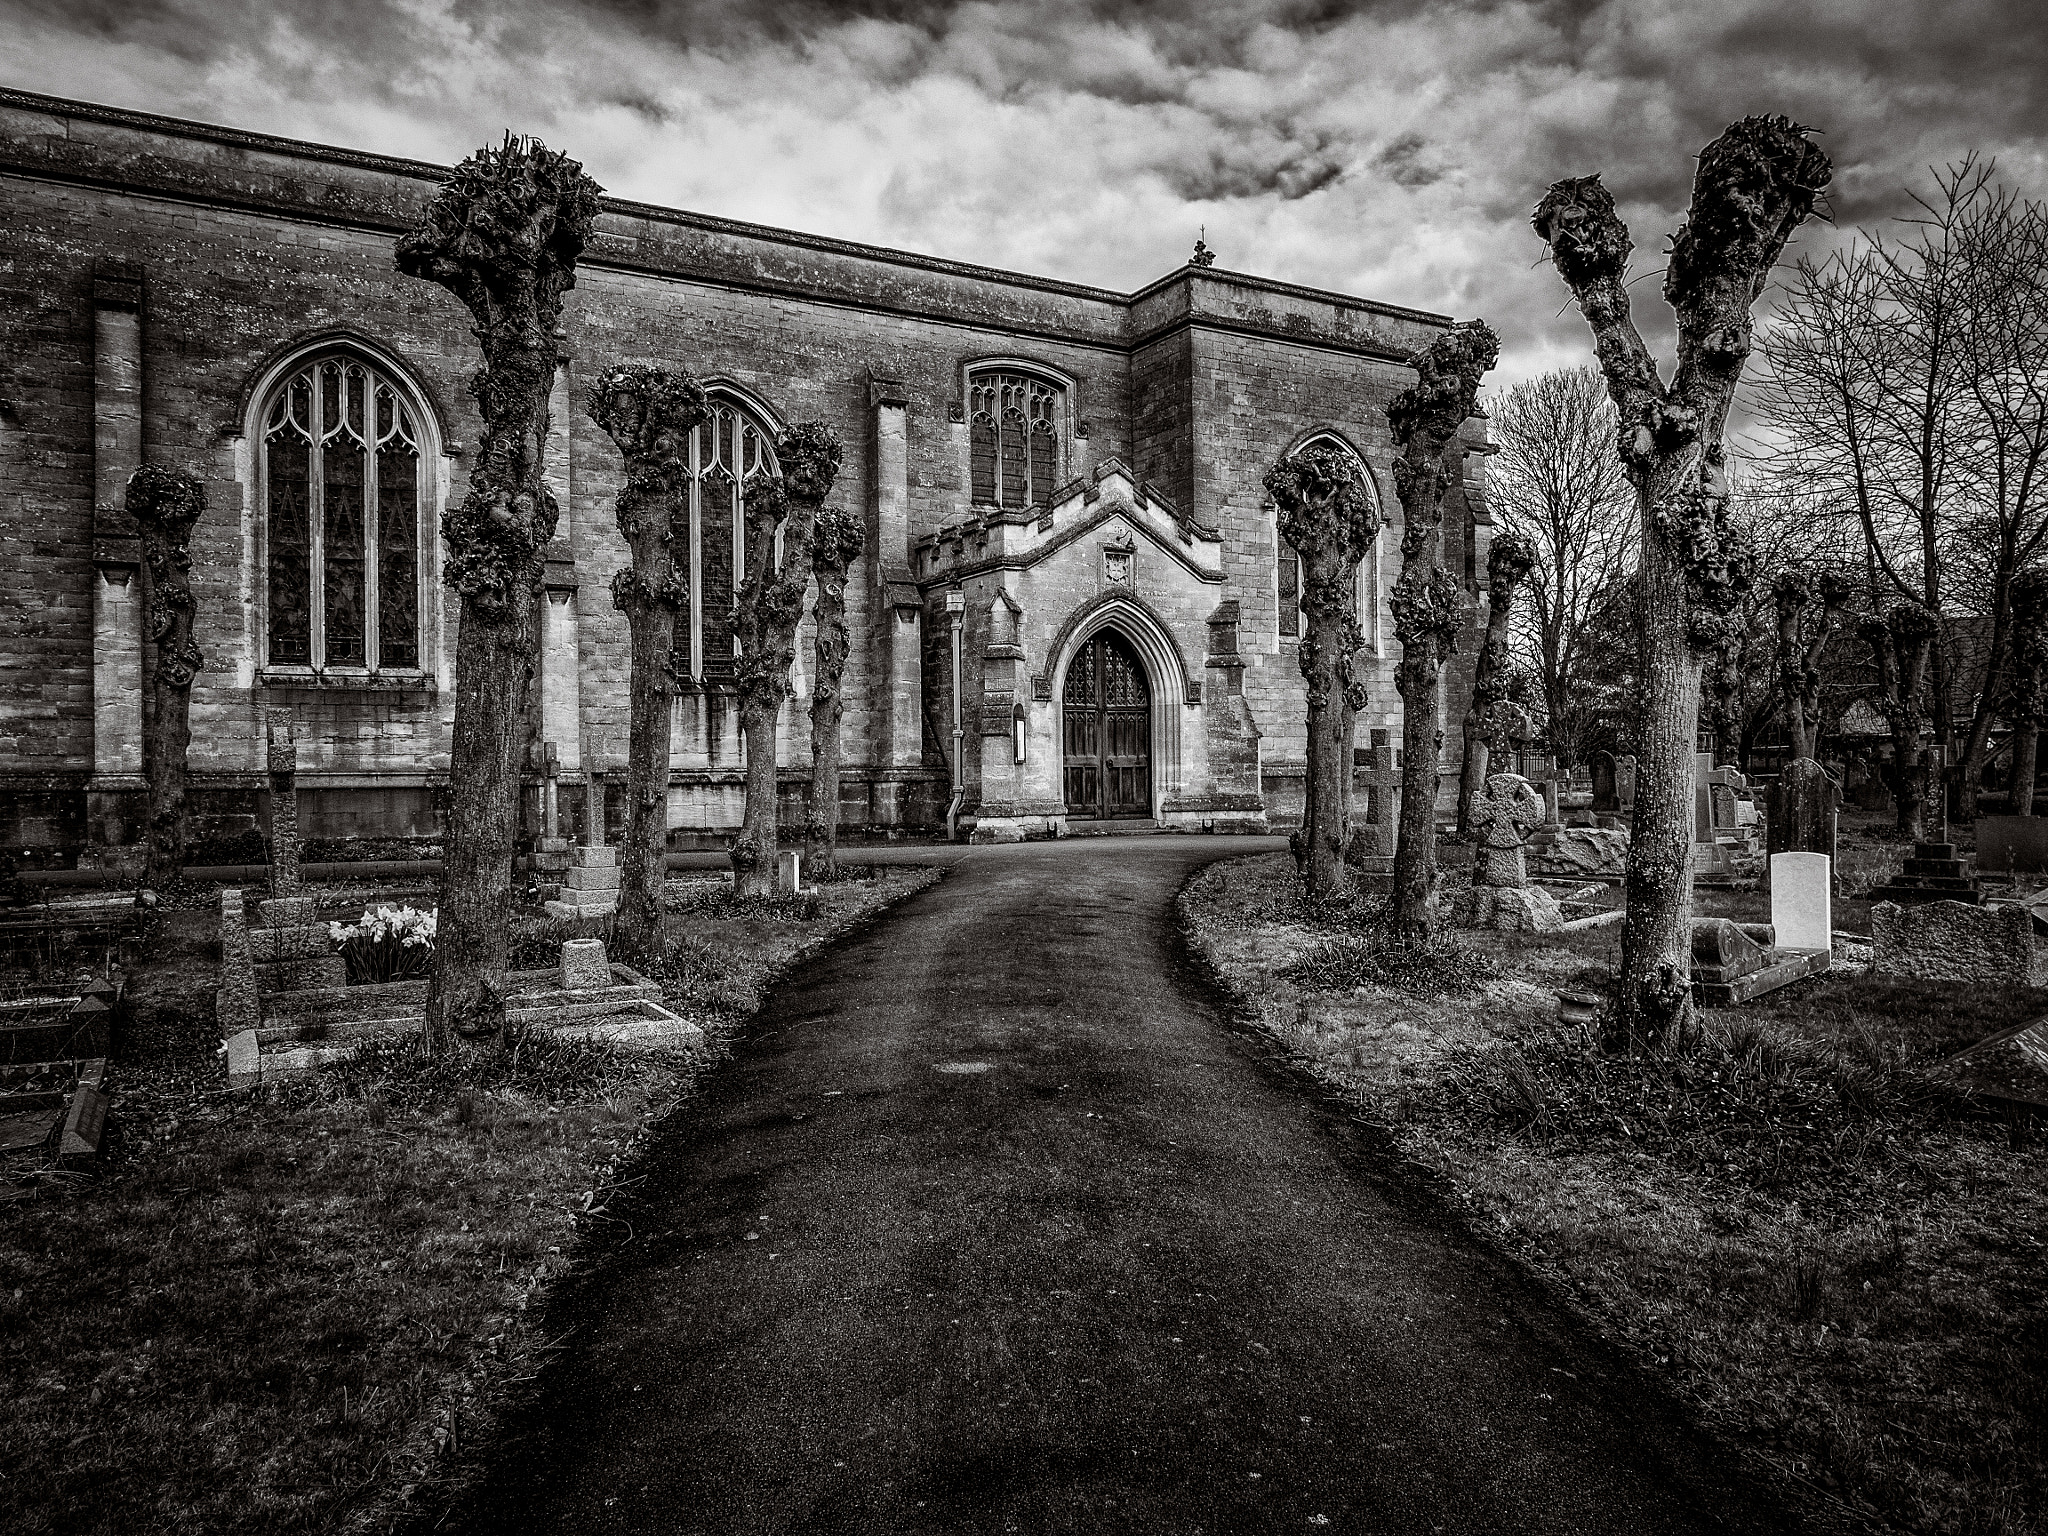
(551, 767)
(1376, 792)
(1804, 803)
(1802, 905)
(283, 764)
(1500, 896)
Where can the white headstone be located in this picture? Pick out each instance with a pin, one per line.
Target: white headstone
(788, 872)
(1802, 903)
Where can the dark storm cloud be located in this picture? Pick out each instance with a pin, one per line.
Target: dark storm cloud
(1390, 149)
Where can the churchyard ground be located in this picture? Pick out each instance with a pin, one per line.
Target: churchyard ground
(1827, 1246)
(289, 1310)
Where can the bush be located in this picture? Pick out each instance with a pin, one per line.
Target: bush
(389, 944)
(708, 899)
(1443, 966)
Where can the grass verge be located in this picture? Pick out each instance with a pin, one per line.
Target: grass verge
(1811, 1227)
(289, 1311)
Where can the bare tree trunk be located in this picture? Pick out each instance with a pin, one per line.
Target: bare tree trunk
(1800, 656)
(1902, 641)
(1427, 598)
(1754, 185)
(649, 413)
(1507, 563)
(840, 535)
(2027, 697)
(165, 505)
(771, 605)
(1329, 518)
(503, 236)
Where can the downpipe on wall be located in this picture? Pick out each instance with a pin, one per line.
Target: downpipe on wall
(956, 603)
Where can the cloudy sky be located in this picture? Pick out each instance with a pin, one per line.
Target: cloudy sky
(1388, 150)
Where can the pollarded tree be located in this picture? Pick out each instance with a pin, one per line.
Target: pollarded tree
(1901, 641)
(1508, 561)
(1753, 187)
(1808, 609)
(165, 504)
(1427, 599)
(503, 236)
(839, 537)
(649, 412)
(1329, 518)
(2027, 696)
(771, 604)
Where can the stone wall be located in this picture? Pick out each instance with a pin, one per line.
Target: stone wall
(153, 272)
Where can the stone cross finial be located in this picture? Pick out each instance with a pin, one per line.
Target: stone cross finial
(282, 761)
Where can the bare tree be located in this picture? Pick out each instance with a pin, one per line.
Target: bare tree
(840, 536)
(1557, 482)
(1494, 677)
(2027, 693)
(1427, 599)
(649, 413)
(1908, 378)
(165, 504)
(1808, 612)
(1901, 641)
(1329, 518)
(1754, 185)
(771, 605)
(503, 236)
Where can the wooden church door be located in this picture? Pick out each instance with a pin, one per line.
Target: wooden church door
(1108, 731)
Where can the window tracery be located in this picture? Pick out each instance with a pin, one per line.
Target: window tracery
(1365, 577)
(1014, 446)
(732, 445)
(343, 488)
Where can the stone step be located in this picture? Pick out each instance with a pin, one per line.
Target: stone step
(1934, 850)
(595, 857)
(1952, 868)
(574, 911)
(601, 879)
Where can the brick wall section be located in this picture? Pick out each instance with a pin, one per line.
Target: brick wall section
(249, 246)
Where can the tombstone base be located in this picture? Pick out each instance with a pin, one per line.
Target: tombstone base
(1508, 909)
(1786, 966)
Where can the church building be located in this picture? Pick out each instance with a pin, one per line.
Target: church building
(1074, 606)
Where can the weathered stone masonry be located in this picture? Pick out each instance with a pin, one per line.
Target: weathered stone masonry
(160, 280)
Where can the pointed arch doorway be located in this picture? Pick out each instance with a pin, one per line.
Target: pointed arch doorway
(1106, 730)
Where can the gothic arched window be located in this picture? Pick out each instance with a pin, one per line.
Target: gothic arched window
(1365, 577)
(1014, 439)
(343, 492)
(724, 451)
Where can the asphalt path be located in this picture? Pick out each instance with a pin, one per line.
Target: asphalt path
(997, 1223)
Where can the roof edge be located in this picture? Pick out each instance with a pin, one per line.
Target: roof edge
(424, 170)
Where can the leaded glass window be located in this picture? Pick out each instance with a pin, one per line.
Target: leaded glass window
(724, 451)
(1013, 439)
(1365, 576)
(342, 491)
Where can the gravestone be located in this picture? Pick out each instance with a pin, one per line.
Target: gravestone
(590, 885)
(2016, 845)
(1375, 801)
(585, 967)
(1802, 905)
(283, 765)
(1954, 941)
(1723, 953)
(235, 1003)
(788, 872)
(551, 858)
(1935, 872)
(1500, 896)
(1625, 783)
(1596, 853)
(1803, 806)
(1606, 791)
